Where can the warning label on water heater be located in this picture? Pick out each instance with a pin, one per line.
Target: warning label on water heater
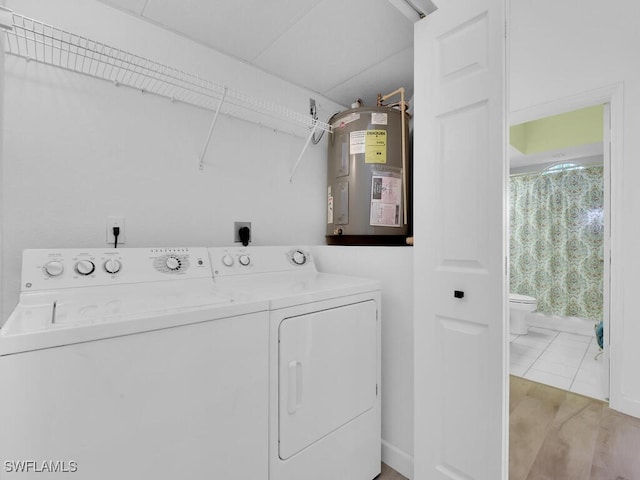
(373, 143)
(356, 142)
(378, 118)
(375, 150)
(329, 206)
(386, 192)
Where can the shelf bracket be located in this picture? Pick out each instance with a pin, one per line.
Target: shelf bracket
(304, 149)
(213, 124)
(6, 18)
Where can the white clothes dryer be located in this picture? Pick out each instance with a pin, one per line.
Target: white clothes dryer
(130, 364)
(324, 361)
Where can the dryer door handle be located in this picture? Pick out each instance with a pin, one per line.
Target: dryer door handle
(294, 387)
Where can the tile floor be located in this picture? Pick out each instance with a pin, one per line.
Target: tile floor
(560, 359)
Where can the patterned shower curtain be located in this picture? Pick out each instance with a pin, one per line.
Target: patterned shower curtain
(557, 240)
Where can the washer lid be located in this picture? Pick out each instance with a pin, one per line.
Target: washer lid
(515, 298)
(71, 315)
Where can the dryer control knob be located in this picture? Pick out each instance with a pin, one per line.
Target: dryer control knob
(227, 260)
(244, 260)
(54, 268)
(112, 266)
(299, 258)
(173, 263)
(85, 267)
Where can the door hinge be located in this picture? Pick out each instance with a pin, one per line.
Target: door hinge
(376, 389)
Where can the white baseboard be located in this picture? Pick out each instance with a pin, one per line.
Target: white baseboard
(562, 324)
(400, 461)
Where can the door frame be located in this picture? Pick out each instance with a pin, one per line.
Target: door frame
(2, 123)
(611, 95)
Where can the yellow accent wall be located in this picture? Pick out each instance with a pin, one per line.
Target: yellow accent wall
(580, 127)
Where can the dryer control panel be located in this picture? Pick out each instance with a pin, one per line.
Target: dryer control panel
(75, 267)
(249, 260)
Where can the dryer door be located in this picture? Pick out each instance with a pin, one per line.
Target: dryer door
(327, 372)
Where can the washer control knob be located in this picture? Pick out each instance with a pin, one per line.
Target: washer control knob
(85, 267)
(227, 260)
(244, 260)
(54, 268)
(173, 263)
(299, 258)
(112, 266)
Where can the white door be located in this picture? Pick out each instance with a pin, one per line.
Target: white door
(460, 367)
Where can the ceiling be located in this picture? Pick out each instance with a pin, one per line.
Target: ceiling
(575, 137)
(342, 49)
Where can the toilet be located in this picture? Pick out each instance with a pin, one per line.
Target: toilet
(519, 307)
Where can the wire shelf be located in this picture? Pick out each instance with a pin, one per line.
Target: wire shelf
(37, 41)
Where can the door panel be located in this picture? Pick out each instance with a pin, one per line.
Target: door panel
(460, 277)
(327, 372)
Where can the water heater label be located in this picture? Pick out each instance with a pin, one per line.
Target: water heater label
(378, 118)
(356, 141)
(386, 192)
(375, 150)
(329, 206)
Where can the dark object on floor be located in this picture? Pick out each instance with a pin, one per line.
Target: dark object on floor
(600, 334)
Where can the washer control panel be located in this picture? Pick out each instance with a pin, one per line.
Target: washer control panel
(172, 263)
(248, 260)
(68, 267)
(298, 257)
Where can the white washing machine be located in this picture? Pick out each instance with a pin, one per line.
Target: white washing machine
(130, 364)
(324, 361)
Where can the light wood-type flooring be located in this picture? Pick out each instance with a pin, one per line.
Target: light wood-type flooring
(559, 435)
(389, 473)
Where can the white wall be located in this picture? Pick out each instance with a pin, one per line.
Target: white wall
(393, 266)
(560, 49)
(78, 149)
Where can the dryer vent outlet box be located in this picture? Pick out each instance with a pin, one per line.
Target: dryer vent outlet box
(236, 230)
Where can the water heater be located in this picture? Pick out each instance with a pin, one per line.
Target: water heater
(368, 177)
